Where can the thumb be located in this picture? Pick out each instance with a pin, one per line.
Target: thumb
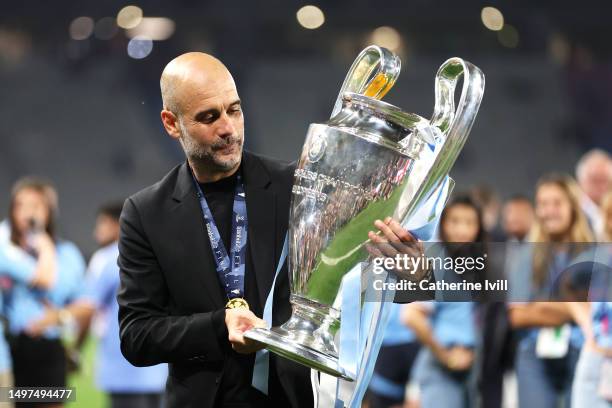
(260, 323)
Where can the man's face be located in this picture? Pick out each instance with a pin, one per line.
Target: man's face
(596, 179)
(212, 126)
(517, 218)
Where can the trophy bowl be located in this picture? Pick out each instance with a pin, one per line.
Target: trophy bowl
(371, 160)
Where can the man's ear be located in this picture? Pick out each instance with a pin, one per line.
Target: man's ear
(170, 121)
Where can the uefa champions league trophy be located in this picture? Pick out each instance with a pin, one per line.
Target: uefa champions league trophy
(369, 161)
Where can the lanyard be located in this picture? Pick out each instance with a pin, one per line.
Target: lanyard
(230, 268)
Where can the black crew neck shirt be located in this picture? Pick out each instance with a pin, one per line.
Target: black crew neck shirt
(220, 199)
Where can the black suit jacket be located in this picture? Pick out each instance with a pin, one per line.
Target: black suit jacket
(171, 304)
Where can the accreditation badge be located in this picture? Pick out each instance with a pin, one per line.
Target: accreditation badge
(553, 342)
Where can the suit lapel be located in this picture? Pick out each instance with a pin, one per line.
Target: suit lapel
(261, 212)
(194, 239)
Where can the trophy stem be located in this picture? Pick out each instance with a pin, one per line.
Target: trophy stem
(313, 325)
(307, 337)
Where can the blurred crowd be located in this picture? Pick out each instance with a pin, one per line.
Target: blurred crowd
(530, 351)
(51, 300)
(527, 353)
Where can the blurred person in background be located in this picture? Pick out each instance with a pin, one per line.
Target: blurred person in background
(549, 345)
(445, 365)
(592, 386)
(517, 218)
(594, 175)
(6, 365)
(606, 214)
(488, 200)
(127, 386)
(5, 231)
(39, 359)
(17, 265)
(392, 373)
(498, 345)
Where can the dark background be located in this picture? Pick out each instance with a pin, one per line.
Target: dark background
(84, 114)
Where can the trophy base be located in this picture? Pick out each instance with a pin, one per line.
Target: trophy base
(306, 338)
(288, 348)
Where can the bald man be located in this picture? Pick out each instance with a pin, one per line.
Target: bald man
(198, 252)
(594, 176)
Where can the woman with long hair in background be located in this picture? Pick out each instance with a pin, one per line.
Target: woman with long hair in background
(447, 329)
(39, 359)
(17, 266)
(550, 340)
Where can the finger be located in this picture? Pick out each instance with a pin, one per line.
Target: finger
(421, 247)
(236, 337)
(251, 320)
(373, 250)
(375, 238)
(383, 245)
(387, 250)
(388, 232)
(411, 248)
(399, 231)
(405, 248)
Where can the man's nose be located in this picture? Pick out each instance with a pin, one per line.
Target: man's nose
(225, 126)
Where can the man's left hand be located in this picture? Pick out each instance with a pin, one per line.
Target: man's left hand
(239, 321)
(396, 240)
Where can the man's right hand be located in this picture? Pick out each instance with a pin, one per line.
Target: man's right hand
(239, 321)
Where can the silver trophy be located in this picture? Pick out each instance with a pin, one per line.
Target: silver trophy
(369, 161)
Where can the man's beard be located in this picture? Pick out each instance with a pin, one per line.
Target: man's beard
(207, 156)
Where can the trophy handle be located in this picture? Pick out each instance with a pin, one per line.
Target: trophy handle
(372, 74)
(450, 122)
(451, 127)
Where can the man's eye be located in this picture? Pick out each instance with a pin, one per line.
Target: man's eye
(234, 111)
(209, 118)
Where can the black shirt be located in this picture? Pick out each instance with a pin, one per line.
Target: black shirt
(235, 388)
(220, 199)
